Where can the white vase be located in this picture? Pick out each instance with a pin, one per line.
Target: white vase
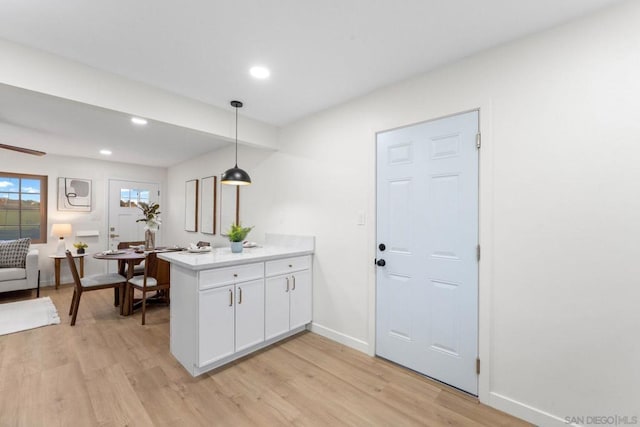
(236, 247)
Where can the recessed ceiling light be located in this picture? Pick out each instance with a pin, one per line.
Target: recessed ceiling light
(260, 72)
(105, 152)
(138, 121)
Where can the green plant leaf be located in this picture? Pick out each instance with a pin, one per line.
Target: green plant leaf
(237, 233)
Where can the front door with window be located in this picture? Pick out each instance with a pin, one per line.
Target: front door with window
(124, 199)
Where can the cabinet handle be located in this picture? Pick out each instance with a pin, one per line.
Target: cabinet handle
(230, 298)
(240, 296)
(287, 285)
(294, 283)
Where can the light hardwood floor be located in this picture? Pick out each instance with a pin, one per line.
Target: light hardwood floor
(111, 371)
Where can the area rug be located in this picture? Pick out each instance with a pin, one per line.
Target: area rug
(22, 315)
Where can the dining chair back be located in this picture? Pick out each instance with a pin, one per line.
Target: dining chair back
(138, 269)
(127, 245)
(91, 283)
(150, 281)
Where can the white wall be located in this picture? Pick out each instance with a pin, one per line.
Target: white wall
(99, 172)
(211, 164)
(560, 205)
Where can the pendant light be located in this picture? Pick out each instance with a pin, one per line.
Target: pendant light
(235, 175)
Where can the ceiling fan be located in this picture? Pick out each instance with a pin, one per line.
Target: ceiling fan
(23, 150)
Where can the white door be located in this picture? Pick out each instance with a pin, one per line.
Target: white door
(427, 236)
(249, 314)
(276, 295)
(216, 326)
(124, 197)
(300, 299)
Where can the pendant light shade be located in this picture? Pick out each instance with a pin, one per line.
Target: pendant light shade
(235, 175)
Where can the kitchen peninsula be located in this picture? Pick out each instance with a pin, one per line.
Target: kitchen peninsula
(226, 305)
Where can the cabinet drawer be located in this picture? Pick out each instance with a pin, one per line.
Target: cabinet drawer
(229, 275)
(287, 265)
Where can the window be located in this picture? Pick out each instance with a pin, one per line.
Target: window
(23, 207)
(131, 197)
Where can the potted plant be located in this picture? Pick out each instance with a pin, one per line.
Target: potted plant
(80, 247)
(150, 212)
(236, 235)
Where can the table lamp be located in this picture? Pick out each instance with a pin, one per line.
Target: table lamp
(61, 231)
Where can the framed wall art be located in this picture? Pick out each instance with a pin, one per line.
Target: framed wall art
(74, 194)
(191, 205)
(229, 206)
(208, 204)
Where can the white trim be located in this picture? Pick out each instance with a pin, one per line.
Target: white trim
(485, 240)
(526, 412)
(334, 335)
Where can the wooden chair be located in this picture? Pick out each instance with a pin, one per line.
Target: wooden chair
(92, 283)
(149, 282)
(138, 269)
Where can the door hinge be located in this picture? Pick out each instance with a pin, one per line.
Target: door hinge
(478, 252)
(478, 365)
(478, 140)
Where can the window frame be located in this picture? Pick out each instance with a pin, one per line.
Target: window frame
(44, 196)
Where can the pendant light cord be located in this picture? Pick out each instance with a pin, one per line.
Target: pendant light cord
(236, 137)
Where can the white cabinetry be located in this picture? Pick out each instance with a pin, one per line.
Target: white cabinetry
(221, 313)
(230, 316)
(215, 320)
(287, 295)
(249, 303)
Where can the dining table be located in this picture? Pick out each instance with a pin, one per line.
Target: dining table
(127, 260)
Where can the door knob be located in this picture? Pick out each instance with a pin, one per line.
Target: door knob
(381, 263)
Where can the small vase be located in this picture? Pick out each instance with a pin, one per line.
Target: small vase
(236, 247)
(80, 251)
(149, 240)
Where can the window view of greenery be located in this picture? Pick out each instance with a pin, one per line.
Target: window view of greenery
(22, 213)
(131, 198)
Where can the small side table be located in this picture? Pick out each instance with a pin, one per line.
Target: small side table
(58, 258)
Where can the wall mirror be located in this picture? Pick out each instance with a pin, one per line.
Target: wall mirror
(208, 205)
(229, 206)
(191, 205)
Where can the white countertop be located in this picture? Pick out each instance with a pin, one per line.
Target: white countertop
(223, 257)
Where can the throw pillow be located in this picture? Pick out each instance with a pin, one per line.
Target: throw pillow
(13, 253)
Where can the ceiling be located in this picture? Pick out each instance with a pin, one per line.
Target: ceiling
(320, 53)
(59, 126)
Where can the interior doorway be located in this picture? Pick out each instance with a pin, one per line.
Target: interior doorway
(427, 248)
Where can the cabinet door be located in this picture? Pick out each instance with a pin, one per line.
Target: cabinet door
(300, 297)
(249, 314)
(276, 315)
(215, 324)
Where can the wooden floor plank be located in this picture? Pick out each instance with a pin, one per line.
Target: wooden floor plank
(109, 370)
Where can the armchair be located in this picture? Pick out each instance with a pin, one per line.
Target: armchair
(13, 279)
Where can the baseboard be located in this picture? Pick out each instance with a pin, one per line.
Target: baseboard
(347, 340)
(524, 411)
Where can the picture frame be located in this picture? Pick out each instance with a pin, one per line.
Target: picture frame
(191, 205)
(74, 194)
(209, 194)
(229, 206)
